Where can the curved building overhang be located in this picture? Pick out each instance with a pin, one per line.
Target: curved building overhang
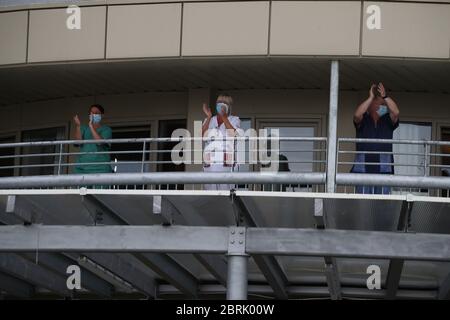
(137, 46)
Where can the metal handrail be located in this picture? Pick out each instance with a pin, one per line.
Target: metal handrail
(142, 140)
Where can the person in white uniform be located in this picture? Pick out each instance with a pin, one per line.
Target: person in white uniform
(219, 154)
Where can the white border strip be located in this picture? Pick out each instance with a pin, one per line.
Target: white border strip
(226, 193)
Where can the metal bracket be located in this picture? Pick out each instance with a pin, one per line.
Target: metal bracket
(163, 209)
(237, 211)
(23, 210)
(236, 241)
(318, 214)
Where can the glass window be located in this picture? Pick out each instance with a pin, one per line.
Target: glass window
(295, 156)
(128, 156)
(46, 160)
(403, 152)
(411, 155)
(165, 164)
(6, 164)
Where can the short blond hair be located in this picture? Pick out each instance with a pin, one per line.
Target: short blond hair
(227, 99)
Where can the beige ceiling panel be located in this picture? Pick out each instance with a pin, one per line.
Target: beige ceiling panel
(407, 30)
(226, 28)
(144, 31)
(13, 37)
(52, 40)
(315, 28)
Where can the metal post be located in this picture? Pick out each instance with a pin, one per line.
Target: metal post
(426, 162)
(332, 127)
(237, 264)
(237, 277)
(60, 158)
(143, 157)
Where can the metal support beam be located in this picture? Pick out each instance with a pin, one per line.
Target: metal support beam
(59, 263)
(100, 212)
(444, 289)
(237, 281)
(268, 265)
(332, 127)
(124, 266)
(21, 209)
(331, 269)
(170, 270)
(25, 270)
(161, 263)
(215, 264)
(310, 291)
(396, 265)
(354, 244)
(15, 287)
(259, 241)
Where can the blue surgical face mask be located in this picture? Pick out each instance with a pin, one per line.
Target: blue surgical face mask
(96, 118)
(219, 107)
(382, 110)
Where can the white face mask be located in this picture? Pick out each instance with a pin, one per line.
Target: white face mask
(95, 118)
(382, 110)
(222, 106)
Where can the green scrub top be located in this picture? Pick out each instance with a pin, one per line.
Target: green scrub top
(106, 133)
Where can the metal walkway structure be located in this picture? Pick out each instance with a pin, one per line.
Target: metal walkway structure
(239, 244)
(188, 244)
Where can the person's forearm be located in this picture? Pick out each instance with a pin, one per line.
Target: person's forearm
(78, 133)
(362, 108)
(95, 135)
(228, 124)
(393, 108)
(205, 126)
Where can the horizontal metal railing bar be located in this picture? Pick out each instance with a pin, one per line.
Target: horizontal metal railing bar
(31, 155)
(439, 166)
(114, 163)
(141, 140)
(393, 141)
(77, 180)
(361, 179)
(382, 163)
(382, 152)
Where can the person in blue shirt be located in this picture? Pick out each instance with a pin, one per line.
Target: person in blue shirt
(375, 118)
(91, 160)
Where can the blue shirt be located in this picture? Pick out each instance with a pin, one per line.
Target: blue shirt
(367, 129)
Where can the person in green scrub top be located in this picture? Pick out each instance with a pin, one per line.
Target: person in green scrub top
(86, 162)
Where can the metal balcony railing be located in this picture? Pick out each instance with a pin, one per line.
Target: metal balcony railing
(420, 166)
(147, 163)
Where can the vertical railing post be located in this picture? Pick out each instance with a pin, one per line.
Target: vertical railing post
(332, 127)
(143, 156)
(60, 158)
(425, 160)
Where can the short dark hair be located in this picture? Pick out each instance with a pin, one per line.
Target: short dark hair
(99, 107)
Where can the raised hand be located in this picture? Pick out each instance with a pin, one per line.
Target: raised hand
(77, 120)
(207, 110)
(372, 90)
(381, 90)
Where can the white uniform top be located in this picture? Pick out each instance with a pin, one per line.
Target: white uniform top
(221, 146)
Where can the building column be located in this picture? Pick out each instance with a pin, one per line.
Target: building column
(332, 127)
(237, 277)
